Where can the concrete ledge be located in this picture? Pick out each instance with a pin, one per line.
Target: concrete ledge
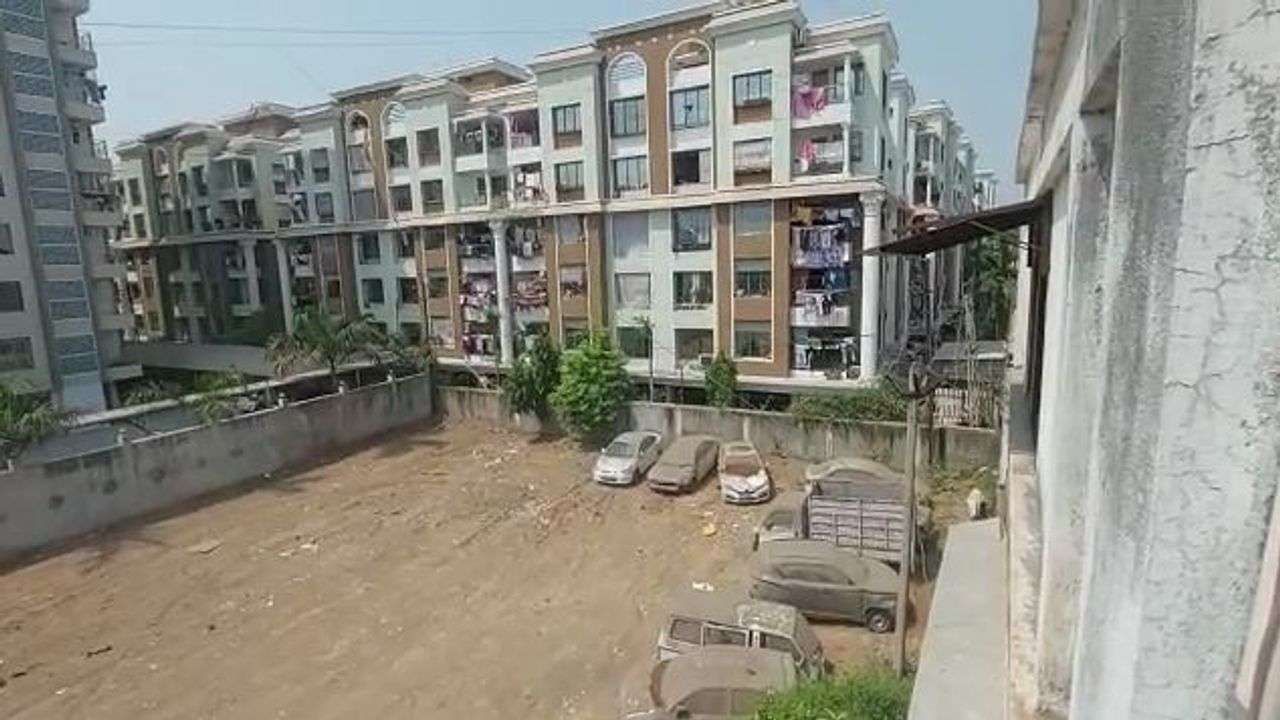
(962, 673)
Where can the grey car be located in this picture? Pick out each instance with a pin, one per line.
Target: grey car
(825, 581)
(689, 459)
(713, 682)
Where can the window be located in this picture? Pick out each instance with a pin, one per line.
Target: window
(753, 89)
(632, 290)
(569, 181)
(573, 281)
(433, 238)
(404, 243)
(718, 635)
(627, 117)
(412, 332)
(320, 165)
(690, 108)
(432, 196)
(401, 199)
(630, 174)
(15, 354)
(370, 250)
(752, 156)
(397, 152)
(633, 342)
(569, 229)
(197, 179)
(566, 124)
(6, 239)
(372, 289)
(691, 167)
(693, 344)
(324, 207)
(11, 296)
(686, 631)
(752, 340)
(859, 79)
(691, 229)
(855, 146)
(237, 291)
(362, 205)
(135, 192)
(752, 220)
(244, 172)
(752, 278)
(630, 235)
(429, 147)
(139, 225)
(692, 290)
(438, 284)
(408, 291)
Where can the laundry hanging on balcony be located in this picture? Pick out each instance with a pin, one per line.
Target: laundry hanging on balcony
(807, 100)
(820, 245)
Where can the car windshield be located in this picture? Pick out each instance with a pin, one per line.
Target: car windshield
(620, 449)
(741, 465)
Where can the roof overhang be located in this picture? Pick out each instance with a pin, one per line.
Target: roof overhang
(957, 230)
(566, 57)
(1053, 26)
(755, 15)
(656, 21)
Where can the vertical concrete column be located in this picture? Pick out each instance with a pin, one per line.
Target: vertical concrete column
(188, 266)
(251, 269)
(286, 286)
(870, 325)
(502, 266)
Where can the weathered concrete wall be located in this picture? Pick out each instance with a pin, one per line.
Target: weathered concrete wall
(771, 432)
(1158, 446)
(46, 503)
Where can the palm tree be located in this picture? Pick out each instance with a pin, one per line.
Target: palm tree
(25, 420)
(215, 396)
(318, 338)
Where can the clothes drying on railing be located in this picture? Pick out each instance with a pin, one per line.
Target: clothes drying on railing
(528, 248)
(824, 354)
(820, 245)
(807, 100)
(476, 344)
(530, 292)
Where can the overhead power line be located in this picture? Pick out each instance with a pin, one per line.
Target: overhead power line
(193, 27)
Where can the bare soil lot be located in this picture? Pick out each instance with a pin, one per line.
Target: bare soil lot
(454, 571)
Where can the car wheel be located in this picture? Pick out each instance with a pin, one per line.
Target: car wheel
(879, 621)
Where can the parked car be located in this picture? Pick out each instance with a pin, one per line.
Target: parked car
(744, 479)
(628, 457)
(700, 619)
(784, 521)
(851, 469)
(858, 504)
(825, 581)
(689, 459)
(713, 682)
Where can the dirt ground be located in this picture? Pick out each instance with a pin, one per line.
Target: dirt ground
(451, 571)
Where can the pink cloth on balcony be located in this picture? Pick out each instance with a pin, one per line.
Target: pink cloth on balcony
(807, 100)
(807, 154)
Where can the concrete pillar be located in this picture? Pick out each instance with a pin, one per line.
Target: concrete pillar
(502, 266)
(870, 326)
(286, 286)
(251, 269)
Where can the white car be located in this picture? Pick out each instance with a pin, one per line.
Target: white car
(628, 457)
(743, 477)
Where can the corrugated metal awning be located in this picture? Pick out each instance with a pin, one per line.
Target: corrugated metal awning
(951, 231)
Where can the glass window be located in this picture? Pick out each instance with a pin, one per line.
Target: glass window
(752, 340)
(370, 251)
(692, 344)
(691, 229)
(752, 278)
(6, 239)
(401, 199)
(630, 174)
(719, 635)
(855, 146)
(362, 205)
(135, 192)
(569, 176)
(573, 281)
(693, 289)
(372, 288)
(753, 88)
(11, 296)
(398, 152)
(690, 108)
(15, 354)
(632, 290)
(320, 165)
(566, 119)
(408, 291)
(634, 342)
(630, 235)
(627, 117)
(438, 284)
(751, 220)
(686, 631)
(859, 79)
(433, 238)
(324, 207)
(569, 229)
(753, 155)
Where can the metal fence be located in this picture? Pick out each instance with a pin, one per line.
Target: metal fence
(968, 404)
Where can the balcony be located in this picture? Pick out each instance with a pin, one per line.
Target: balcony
(820, 246)
(822, 157)
(813, 105)
(820, 308)
(78, 53)
(479, 146)
(91, 157)
(86, 110)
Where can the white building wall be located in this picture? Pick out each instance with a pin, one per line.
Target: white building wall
(746, 51)
(565, 86)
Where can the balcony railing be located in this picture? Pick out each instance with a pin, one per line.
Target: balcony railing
(819, 158)
(100, 150)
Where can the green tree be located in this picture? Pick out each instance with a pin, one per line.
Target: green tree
(991, 274)
(870, 694)
(319, 338)
(593, 386)
(533, 378)
(722, 381)
(215, 396)
(25, 419)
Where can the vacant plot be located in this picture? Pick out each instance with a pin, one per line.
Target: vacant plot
(447, 572)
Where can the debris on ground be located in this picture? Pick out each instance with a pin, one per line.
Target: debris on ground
(205, 547)
(709, 529)
(98, 651)
(704, 586)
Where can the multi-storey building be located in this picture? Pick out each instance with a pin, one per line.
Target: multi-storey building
(61, 320)
(696, 182)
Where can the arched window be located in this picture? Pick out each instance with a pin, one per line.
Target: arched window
(626, 76)
(160, 161)
(357, 129)
(626, 88)
(393, 121)
(689, 83)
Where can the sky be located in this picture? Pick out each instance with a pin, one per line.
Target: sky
(972, 53)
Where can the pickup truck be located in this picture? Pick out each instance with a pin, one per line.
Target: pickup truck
(851, 502)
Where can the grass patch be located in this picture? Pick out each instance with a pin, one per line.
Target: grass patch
(881, 402)
(867, 694)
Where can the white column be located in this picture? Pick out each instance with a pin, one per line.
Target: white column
(247, 247)
(870, 325)
(286, 286)
(502, 266)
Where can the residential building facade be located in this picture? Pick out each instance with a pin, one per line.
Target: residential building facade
(61, 317)
(698, 182)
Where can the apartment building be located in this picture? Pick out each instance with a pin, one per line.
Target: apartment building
(61, 318)
(695, 182)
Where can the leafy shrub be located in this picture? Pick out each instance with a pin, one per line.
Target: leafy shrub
(593, 385)
(864, 695)
(882, 402)
(533, 378)
(722, 382)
